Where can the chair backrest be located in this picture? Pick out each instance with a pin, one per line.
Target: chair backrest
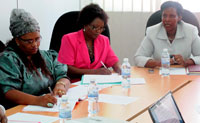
(2, 46)
(65, 24)
(187, 17)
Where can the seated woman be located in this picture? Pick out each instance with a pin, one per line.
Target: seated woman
(85, 50)
(180, 38)
(25, 71)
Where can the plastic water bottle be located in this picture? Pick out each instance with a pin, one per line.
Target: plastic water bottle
(165, 63)
(93, 96)
(65, 112)
(126, 73)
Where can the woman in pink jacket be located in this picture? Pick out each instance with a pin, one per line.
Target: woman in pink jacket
(84, 50)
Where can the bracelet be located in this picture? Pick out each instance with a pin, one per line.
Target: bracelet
(61, 82)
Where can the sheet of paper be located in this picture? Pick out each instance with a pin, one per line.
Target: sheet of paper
(176, 71)
(137, 81)
(96, 119)
(102, 79)
(113, 99)
(40, 108)
(30, 118)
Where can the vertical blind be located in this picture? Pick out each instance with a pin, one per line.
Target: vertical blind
(139, 5)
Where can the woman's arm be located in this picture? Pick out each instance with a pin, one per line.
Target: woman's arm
(27, 99)
(152, 63)
(77, 71)
(116, 68)
(61, 87)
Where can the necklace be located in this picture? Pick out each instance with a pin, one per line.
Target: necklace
(91, 52)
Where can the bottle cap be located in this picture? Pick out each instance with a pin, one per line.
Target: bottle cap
(64, 97)
(165, 50)
(125, 59)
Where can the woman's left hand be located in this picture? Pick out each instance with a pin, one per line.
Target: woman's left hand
(59, 90)
(179, 59)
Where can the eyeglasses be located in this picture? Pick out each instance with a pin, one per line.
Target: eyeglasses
(97, 28)
(30, 41)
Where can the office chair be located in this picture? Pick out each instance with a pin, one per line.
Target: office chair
(65, 24)
(2, 46)
(187, 17)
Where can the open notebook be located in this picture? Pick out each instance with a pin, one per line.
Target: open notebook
(165, 110)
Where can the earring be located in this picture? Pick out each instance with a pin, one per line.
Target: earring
(83, 29)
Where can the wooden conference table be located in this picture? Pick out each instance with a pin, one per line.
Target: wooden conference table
(156, 86)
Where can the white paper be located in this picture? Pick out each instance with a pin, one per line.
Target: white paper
(113, 99)
(40, 108)
(102, 78)
(137, 81)
(177, 71)
(30, 118)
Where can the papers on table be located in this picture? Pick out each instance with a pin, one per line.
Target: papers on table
(102, 79)
(30, 118)
(113, 99)
(96, 119)
(176, 71)
(137, 81)
(40, 108)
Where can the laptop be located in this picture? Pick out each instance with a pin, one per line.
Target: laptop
(165, 110)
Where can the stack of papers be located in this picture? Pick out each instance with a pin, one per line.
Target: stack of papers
(176, 71)
(101, 79)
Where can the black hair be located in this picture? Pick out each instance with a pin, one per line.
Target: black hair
(172, 4)
(89, 13)
(36, 60)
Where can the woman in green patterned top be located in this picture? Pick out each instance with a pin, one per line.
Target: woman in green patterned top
(25, 71)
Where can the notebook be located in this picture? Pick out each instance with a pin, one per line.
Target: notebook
(165, 110)
(193, 69)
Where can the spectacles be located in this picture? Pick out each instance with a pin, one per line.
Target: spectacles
(30, 41)
(97, 28)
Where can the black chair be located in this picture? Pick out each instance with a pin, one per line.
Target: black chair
(67, 23)
(2, 46)
(187, 17)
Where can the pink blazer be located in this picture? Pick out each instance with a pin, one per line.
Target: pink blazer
(74, 51)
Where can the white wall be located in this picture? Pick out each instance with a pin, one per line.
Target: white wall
(46, 13)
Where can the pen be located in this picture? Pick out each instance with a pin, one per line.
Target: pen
(104, 65)
(50, 90)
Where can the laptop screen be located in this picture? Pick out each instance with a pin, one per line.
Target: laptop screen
(165, 110)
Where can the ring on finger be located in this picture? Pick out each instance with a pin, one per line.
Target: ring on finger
(49, 104)
(59, 91)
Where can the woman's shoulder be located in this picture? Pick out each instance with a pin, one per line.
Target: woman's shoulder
(49, 53)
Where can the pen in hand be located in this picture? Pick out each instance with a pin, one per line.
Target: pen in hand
(104, 65)
(50, 90)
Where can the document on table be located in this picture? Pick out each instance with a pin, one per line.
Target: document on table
(113, 99)
(137, 81)
(30, 118)
(40, 108)
(177, 71)
(96, 119)
(102, 79)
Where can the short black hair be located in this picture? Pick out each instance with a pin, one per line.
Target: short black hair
(89, 13)
(172, 4)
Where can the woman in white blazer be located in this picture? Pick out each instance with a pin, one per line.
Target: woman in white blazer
(180, 38)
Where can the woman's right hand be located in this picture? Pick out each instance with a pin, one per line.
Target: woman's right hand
(46, 100)
(103, 71)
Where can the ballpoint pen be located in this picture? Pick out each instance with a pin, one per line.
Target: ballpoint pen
(104, 65)
(50, 90)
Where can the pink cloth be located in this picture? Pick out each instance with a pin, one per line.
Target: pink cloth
(74, 51)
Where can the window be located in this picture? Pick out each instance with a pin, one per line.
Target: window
(139, 5)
